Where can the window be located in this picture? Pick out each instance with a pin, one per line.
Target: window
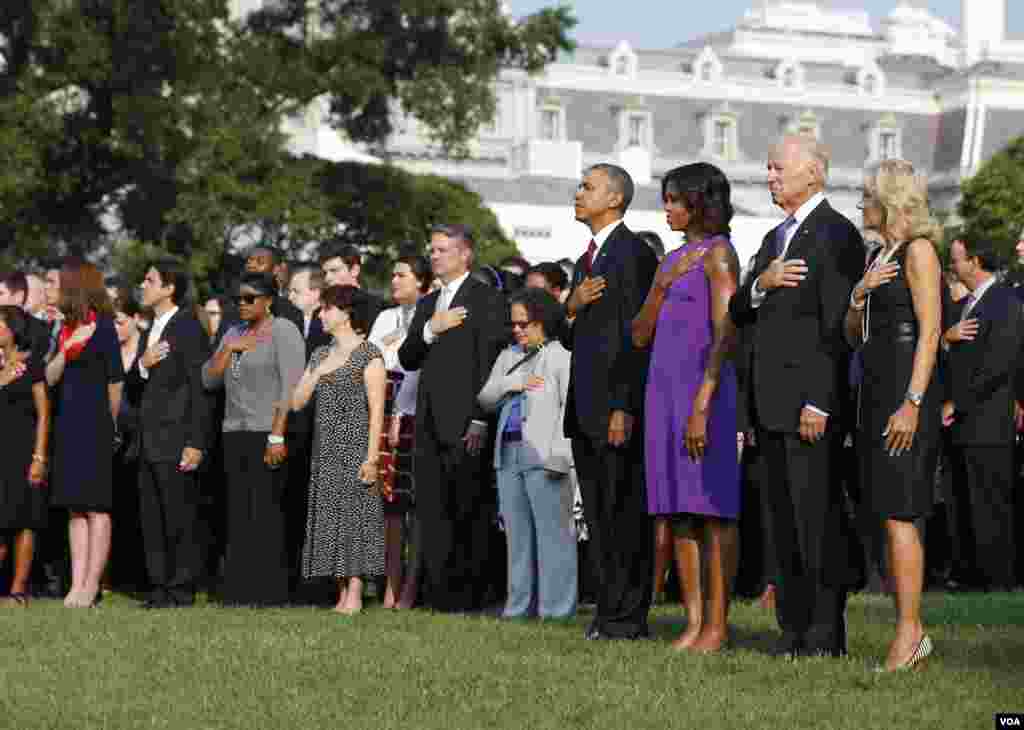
(789, 78)
(706, 67)
(871, 80)
(637, 131)
(887, 145)
(551, 124)
(622, 66)
(707, 71)
(789, 75)
(622, 61)
(723, 135)
(870, 84)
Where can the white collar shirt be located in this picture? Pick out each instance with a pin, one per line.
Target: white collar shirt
(155, 333)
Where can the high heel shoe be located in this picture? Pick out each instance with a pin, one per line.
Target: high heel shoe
(916, 660)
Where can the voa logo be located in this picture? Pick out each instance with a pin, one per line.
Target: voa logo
(1009, 722)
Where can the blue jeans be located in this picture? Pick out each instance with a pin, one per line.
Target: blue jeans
(536, 507)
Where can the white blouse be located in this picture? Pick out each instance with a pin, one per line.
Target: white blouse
(388, 333)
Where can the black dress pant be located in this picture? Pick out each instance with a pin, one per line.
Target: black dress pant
(168, 513)
(812, 541)
(983, 489)
(255, 562)
(621, 532)
(452, 508)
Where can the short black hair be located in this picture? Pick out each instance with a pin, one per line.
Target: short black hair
(458, 231)
(265, 285)
(488, 275)
(553, 274)
(360, 307)
(420, 267)
(541, 307)
(347, 252)
(126, 303)
(172, 272)
(276, 254)
(706, 193)
(16, 282)
(17, 322)
(985, 252)
(620, 181)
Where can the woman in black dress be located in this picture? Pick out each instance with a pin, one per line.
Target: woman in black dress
(25, 414)
(128, 568)
(894, 314)
(87, 375)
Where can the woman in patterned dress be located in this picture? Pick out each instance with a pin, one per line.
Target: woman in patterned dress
(345, 523)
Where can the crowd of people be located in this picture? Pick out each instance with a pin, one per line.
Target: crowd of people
(535, 437)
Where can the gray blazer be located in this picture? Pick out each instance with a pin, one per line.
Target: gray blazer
(543, 411)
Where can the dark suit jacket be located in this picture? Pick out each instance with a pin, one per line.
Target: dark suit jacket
(799, 354)
(39, 337)
(981, 372)
(176, 411)
(607, 372)
(455, 367)
(317, 337)
(281, 307)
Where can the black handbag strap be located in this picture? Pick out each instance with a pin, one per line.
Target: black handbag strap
(532, 354)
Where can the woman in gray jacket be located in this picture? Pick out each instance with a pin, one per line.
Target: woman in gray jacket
(528, 388)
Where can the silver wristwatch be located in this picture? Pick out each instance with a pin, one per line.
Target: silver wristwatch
(915, 398)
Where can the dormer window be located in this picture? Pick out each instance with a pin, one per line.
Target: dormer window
(790, 75)
(622, 61)
(707, 67)
(885, 139)
(871, 80)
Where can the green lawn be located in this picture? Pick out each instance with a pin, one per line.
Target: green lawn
(119, 667)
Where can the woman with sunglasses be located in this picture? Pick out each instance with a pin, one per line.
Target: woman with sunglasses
(528, 387)
(258, 364)
(25, 413)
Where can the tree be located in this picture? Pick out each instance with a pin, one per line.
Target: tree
(992, 205)
(435, 60)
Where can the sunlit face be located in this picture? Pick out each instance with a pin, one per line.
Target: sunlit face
(595, 197)
(127, 327)
(36, 294)
(213, 313)
(405, 287)
(449, 259)
(871, 212)
(963, 266)
(154, 291)
(302, 295)
(335, 320)
(252, 306)
(6, 335)
(338, 273)
(10, 298)
(791, 175)
(52, 288)
(260, 262)
(677, 212)
(536, 280)
(1020, 250)
(527, 332)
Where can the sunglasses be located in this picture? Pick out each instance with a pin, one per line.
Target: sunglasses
(521, 325)
(248, 299)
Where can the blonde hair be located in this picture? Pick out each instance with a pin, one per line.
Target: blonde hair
(900, 191)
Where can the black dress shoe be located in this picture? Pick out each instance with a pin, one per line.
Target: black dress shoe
(789, 645)
(595, 634)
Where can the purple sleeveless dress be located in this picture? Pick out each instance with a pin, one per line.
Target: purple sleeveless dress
(682, 343)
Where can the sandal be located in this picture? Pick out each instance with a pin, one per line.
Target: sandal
(16, 600)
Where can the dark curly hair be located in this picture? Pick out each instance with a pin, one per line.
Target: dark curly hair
(353, 300)
(541, 307)
(705, 191)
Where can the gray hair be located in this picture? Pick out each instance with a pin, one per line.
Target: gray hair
(619, 180)
(817, 152)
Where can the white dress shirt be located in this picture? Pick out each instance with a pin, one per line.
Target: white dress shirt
(975, 297)
(444, 301)
(757, 295)
(396, 321)
(155, 333)
(601, 236)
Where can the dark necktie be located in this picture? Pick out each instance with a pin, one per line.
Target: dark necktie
(780, 236)
(588, 259)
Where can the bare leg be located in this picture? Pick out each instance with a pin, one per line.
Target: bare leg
(662, 555)
(24, 549)
(688, 563)
(721, 540)
(99, 553)
(354, 599)
(339, 607)
(392, 559)
(78, 537)
(906, 561)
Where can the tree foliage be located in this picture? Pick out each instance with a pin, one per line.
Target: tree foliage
(435, 60)
(992, 205)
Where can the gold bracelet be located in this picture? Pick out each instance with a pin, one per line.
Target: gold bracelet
(853, 301)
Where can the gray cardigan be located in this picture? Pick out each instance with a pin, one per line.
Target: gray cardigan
(543, 410)
(267, 376)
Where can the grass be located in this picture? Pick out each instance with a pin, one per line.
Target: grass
(210, 667)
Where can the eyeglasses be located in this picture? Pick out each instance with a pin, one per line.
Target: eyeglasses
(248, 299)
(521, 325)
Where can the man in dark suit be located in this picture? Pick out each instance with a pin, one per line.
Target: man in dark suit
(795, 300)
(266, 259)
(174, 422)
(454, 339)
(604, 414)
(983, 337)
(342, 265)
(14, 291)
